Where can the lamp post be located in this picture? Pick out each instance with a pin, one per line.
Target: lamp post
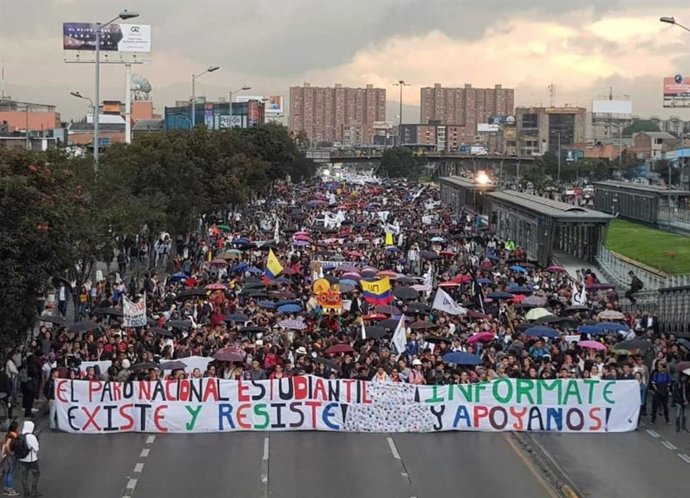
(672, 20)
(210, 69)
(240, 89)
(401, 84)
(124, 15)
(80, 96)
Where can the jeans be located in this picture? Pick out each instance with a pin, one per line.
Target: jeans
(31, 474)
(657, 403)
(680, 417)
(53, 414)
(10, 466)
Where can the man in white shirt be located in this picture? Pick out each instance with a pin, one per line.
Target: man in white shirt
(31, 473)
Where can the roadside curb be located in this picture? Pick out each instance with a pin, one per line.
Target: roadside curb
(547, 465)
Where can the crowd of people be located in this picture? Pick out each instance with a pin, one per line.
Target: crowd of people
(215, 307)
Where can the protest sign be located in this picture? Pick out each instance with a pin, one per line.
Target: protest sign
(313, 403)
(134, 313)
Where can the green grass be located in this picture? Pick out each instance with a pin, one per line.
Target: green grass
(667, 252)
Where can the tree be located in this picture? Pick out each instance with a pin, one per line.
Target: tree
(640, 125)
(400, 162)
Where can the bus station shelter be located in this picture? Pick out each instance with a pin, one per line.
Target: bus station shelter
(465, 193)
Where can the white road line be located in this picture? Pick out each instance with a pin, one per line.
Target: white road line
(132, 484)
(150, 439)
(669, 445)
(394, 450)
(684, 457)
(266, 448)
(264, 478)
(404, 474)
(653, 433)
(138, 468)
(144, 453)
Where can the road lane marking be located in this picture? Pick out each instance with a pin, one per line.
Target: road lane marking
(530, 466)
(684, 457)
(653, 433)
(394, 450)
(404, 474)
(138, 468)
(145, 453)
(266, 448)
(264, 467)
(668, 445)
(132, 484)
(150, 439)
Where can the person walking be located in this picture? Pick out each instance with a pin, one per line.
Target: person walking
(661, 386)
(636, 286)
(49, 391)
(27, 445)
(9, 460)
(680, 401)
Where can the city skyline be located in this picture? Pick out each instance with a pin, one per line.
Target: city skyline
(525, 45)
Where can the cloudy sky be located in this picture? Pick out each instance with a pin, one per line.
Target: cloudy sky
(581, 46)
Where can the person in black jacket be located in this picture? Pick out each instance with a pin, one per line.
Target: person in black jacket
(636, 285)
(681, 395)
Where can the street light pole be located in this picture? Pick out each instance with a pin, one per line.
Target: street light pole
(401, 84)
(210, 69)
(558, 177)
(672, 20)
(97, 93)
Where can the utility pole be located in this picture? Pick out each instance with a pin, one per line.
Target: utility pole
(558, 177)
(401, 84)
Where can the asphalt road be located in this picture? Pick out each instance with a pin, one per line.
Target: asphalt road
(299, 465)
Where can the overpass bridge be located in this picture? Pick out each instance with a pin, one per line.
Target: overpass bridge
(442, 163)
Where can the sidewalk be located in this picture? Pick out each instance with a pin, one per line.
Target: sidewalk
(572, 264)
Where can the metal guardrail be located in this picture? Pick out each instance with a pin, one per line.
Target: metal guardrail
(674, 310)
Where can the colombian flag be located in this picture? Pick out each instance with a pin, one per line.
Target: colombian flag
(273, 267)
(377, 292)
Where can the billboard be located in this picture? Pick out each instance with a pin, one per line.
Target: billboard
(676, 91)
(114, 37)
(273, 105)
(487, 128)
(612, 107)
(501, 120)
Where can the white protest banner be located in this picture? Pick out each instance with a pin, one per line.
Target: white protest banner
(313, 403)
(134, 313)
(443, 302)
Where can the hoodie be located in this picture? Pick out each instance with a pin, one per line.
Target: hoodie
(31, 441)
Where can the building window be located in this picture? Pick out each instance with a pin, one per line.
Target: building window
(530, 121)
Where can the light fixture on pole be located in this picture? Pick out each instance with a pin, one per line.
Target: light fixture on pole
(672, 20)
(401, 84)
(80, 96)
(124, 15)
(240, 89)
(210, 69)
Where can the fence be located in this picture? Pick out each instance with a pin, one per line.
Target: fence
(674, 310)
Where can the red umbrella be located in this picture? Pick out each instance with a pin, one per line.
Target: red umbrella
(475, 315)
(340, 348)
(230, 354)
(481, 337)
(386, 273)
(216, 286)
(375, 316)
(449, 284)
(518, 298)
(447, 253)
(556, 269)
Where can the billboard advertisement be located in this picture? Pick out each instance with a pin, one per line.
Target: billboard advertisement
(487, 128)
(501, 120)
(274, 105)
(676, 91)
(114, 37)
(623, 107)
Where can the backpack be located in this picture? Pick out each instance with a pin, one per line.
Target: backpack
(19, 447)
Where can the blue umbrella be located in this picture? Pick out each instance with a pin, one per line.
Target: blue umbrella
(254, 270)
(461, 358)
(613, 326)
(685, 343)
(541, 331)
(591, 329)
(392, 249)
(282, 280)
(520, 290)
(484, 281)
(290, 308)
(348, 281)
(240, 267)
(236, 318)
(269, 305)
(178, 276)
(286, 302)
(500, 295)
(518, 268)
(241, 241)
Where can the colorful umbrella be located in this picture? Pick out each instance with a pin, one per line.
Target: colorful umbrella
(462, 358)
(592, 345)
(481, 337)
(556, 269)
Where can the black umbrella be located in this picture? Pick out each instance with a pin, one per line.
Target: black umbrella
(253, 285)
(374, 332)
(190, 293)
(406, 280)
(107, 311)
(633, 345)
(546, 319)
(145, 366)
(389, 324)
(180, 324)
(173, 365)
(236, 318)
(253, 330)
(55, 320)
(405, 293)
(577, 307)
(83, 326)
(329, 364)
(422, 325)
(500, 295)
(418, 307)
(436, 339)
(429, 255)
(161, 331)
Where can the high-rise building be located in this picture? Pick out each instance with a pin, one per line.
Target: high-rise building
(542, 129)
(466, 106)
(339, 114)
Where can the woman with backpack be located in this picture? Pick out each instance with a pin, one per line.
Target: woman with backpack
(9, 460)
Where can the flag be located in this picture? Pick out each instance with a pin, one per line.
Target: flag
(276, 232)
(273, 266)
(444, 302)
(399, 339)
(134, 314)
(377, 292)
(579, 297)
(389, 239)
(364, 331)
